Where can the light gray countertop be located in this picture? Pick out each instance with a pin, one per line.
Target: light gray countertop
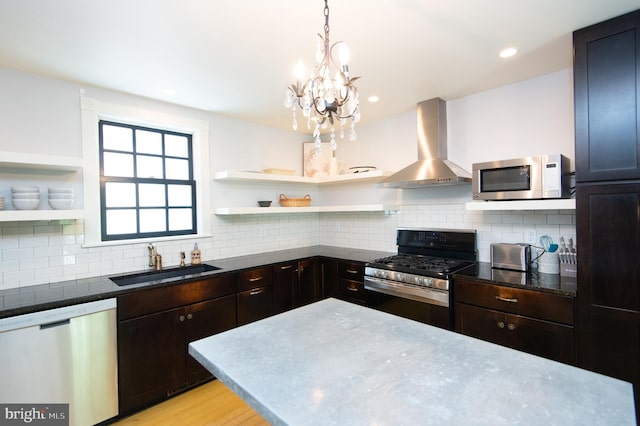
(337, 363)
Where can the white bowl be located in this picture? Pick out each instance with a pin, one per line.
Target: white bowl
(61, 196)
(21, 189)
(60, 190)
(26, 196)
(59, 204)
(20, 204)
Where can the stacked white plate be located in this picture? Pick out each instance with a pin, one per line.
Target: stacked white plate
(61, 198)
(1, 203)
(25, 197)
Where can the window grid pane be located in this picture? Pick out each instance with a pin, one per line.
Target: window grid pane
(153, 195)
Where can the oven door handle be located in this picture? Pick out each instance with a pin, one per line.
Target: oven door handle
(407, 291)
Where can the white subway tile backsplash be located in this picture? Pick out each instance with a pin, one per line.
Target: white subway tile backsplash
(41, 252)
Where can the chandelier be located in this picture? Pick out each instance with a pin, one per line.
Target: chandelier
(328, 97)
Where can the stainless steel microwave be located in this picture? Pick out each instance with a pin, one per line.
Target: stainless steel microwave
(528, 178)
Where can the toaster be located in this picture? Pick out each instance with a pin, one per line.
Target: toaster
(516, 257)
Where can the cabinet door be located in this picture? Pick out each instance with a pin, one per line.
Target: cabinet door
(255, 304)
(203, 320)
(481, 323)
(328, 278)
(606, 92)
(542, 338)
(151, 353)
(608, 237)
(285, 281)
(307, 291)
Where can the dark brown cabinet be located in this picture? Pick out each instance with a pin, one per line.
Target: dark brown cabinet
(534, 322)
(607, 113)
(285, 280)
(606, 91)
(608, 237)
(155, 327)
(255, 295)
(328, 277)
(307, 288)
(351, 282)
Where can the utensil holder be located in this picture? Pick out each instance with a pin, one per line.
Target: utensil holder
(549, 263)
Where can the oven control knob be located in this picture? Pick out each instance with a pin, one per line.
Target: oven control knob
(400, 277)
(418, 280)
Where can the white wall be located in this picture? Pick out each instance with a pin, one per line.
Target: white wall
(41, 115)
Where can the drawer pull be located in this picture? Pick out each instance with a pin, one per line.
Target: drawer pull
(253, 280)
(511, 326)
(500, 324)
(284, 268)
(189, 316)
(352, 271)
(256, 292)
(352, 288)
(506, 299)
(181, 318)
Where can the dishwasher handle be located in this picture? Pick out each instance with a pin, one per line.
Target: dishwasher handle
(55, 324)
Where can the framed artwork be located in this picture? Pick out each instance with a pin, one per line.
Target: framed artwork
(314, 164)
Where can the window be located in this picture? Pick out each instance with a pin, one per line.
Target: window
(147, 185)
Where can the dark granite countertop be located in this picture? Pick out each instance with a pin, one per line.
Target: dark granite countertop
(19, 301)
(532, 280)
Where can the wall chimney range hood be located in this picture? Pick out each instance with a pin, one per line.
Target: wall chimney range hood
(432, 167)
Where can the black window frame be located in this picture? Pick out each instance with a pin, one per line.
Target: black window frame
(137, 181)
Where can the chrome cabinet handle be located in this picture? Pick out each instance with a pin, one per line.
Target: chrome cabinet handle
(189, 316)
(511, 326)
(255, 292)
(282, 268)
(253, 280)
(181, 318)
(500, 324)
(505, 299)
(351, 271)
(352, 288)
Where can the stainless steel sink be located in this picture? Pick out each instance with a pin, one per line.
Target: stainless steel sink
(149, 276)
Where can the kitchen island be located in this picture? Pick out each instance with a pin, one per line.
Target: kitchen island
(337, 363)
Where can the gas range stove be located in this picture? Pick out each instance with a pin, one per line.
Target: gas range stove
(432, 266)
(424, 264)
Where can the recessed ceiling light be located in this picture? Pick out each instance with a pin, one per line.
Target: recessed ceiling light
(508, 52)
(373, 98)
(169, 92)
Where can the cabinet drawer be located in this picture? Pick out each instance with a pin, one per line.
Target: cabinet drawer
(351, 290)
(254, 278)
(255, 304)
(351, 271)
(159, 299)
(550, 307)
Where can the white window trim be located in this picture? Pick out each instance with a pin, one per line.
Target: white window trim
(92, 111)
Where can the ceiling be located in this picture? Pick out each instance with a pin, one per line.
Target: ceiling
(236, 57)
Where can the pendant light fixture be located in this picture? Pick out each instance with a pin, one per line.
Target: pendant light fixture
(328, 98)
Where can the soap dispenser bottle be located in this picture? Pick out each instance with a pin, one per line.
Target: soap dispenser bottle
(195, 255)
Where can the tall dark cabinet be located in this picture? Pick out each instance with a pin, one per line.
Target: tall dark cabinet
(607, 120)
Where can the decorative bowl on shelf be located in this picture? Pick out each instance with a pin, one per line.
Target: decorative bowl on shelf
(26, 196)
(23, 189)
(61, 203)
(25, 203)
(264, 203)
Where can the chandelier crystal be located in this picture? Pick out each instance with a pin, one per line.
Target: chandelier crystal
(328, 97)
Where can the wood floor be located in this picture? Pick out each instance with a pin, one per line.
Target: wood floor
(210, 404)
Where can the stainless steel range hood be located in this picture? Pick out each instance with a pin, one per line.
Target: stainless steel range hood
(432, 167)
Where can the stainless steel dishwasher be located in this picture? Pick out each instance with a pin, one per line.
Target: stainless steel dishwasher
(66, 355)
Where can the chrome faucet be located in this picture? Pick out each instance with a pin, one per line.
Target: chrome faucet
(152, 255)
